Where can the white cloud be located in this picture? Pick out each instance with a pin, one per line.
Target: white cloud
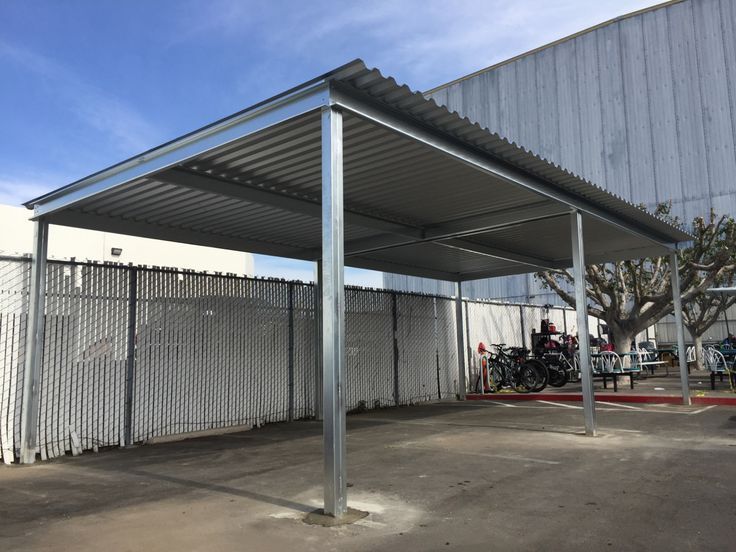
(116, 121)
(16, 189)
(423, 42)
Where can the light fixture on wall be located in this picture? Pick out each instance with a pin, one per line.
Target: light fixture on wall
(116, 251)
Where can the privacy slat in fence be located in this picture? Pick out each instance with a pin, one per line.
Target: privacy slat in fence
(369, 349)
(212, 351)
(446, 347)
(14, 281)
(416, 339)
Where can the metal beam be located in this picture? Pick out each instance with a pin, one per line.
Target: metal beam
(581, 307)
(228, 130)
(679, 327)
(461, 383)
(401, 268)
(333, 315)
(79, 219)
(34, 344)
(362, 105)
(464, 227)
(498, 253)
(294, 204)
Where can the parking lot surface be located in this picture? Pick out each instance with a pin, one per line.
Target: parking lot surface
(442, 476)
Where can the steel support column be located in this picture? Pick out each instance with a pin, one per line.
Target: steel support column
(725, 314)
(333, 314)
(290, 374)
(130, 359)
(318, 340)
(679, 327)
(395, 333)
(461, 385)
(581, 306)
(34, 344)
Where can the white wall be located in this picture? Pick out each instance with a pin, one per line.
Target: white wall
(16, 237)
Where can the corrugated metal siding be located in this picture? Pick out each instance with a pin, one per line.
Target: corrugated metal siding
(645, 107)
(665, 331)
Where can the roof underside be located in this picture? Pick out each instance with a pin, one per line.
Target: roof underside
(412, 206)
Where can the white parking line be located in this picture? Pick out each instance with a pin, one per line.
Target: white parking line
(562, 405)
(522, 459)
(702, 409)
(619, 405)
(412, 445)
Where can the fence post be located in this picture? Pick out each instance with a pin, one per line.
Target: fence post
(395, 317)
(523, 327)
(34, 344)
(437, 347)
(291, 351)
(130, 359)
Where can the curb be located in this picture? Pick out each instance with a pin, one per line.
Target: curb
(577, 397)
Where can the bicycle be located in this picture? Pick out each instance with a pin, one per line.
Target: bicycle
(509, 367)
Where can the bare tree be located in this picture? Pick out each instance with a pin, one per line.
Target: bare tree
(701, 313)
(632, 295)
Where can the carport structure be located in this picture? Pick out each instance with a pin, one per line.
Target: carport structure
(353, 169)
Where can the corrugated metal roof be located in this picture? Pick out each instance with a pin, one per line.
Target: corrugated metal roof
(261, 193)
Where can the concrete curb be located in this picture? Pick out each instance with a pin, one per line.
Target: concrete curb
(577, 397)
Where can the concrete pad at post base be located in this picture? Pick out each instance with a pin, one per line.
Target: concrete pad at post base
(318, 517)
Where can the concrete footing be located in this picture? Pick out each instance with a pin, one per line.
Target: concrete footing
(318, 517)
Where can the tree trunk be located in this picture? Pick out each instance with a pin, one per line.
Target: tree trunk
(699, 362)
(622, 338)
(622, 342)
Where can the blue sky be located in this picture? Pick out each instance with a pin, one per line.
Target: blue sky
(88, 83)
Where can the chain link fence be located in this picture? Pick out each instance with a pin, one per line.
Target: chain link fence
(135, 353)
(14, 280)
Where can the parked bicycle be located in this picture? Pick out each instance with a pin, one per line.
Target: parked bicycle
(560, 358)
(510, 367)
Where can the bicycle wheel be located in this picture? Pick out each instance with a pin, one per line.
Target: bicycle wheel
(526, 378)
(497, 378)
(557, 376)
(542, 372)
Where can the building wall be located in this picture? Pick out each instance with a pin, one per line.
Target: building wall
(644, 106)
(16, 237)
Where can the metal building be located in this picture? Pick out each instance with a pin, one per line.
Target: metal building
(644, 105)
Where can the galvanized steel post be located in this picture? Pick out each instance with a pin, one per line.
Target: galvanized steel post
(130, 361)
(679, 327)
(318, 340)
(34, 344)
(333, 314)
(290, 374)
(395, 320)
(461, 385)
(523, 327)
(581, 306)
